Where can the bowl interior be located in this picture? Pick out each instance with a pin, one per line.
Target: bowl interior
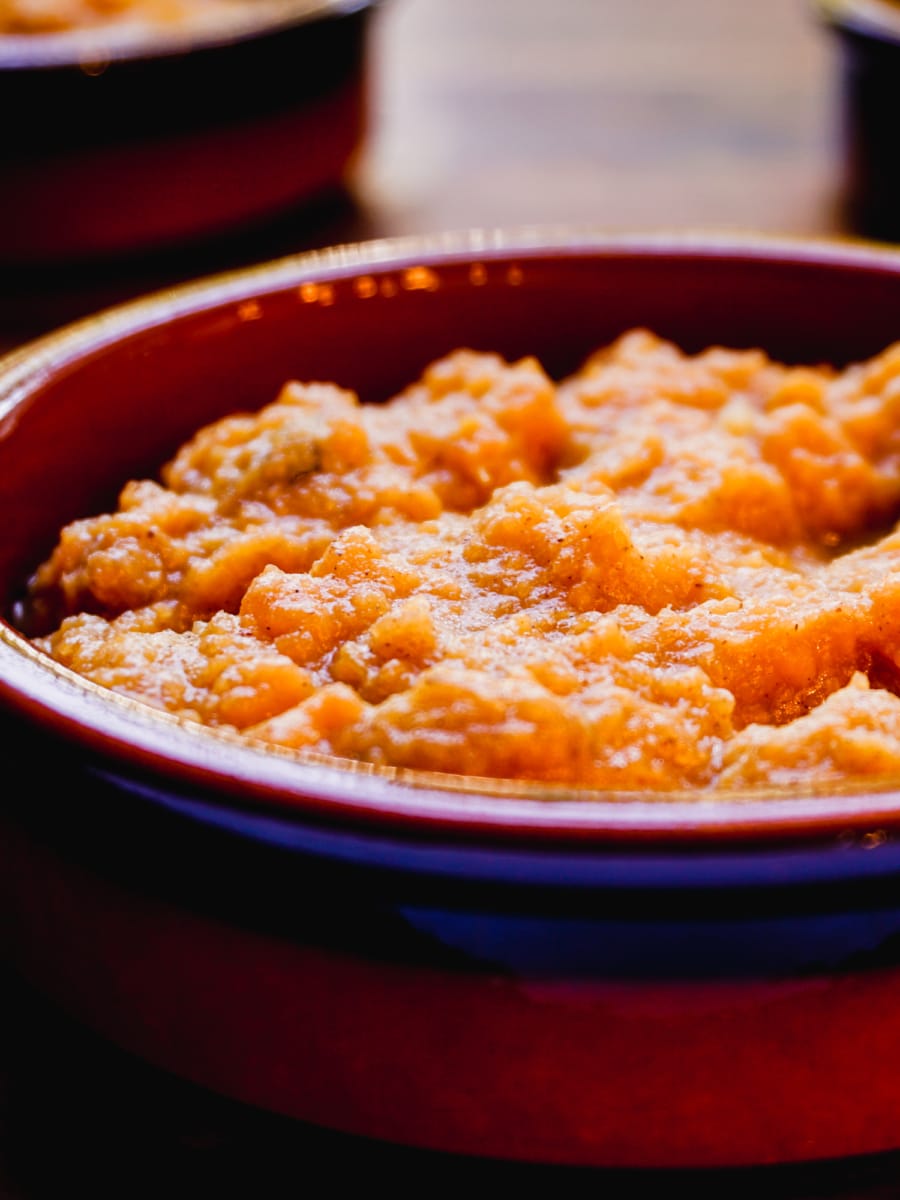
(111, 397)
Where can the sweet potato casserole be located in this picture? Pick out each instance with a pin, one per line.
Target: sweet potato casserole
(53, 16)
(668, 570)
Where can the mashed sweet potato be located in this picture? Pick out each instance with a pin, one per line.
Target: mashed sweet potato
(666, 571)
(53, 16)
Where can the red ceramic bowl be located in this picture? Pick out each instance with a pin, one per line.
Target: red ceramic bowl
(131, 139)
(866, 37)
(490, 971)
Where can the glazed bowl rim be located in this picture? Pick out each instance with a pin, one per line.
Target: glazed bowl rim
(120, 733)
(92, 48)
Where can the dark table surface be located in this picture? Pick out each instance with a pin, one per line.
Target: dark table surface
(633, 115)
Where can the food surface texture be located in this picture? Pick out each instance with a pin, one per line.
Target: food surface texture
(666, 571)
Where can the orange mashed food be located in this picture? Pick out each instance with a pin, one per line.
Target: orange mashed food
(665, 571)
(53, 16)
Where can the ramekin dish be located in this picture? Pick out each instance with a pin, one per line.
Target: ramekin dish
(866, 42)
(130, 138)
(508, 972)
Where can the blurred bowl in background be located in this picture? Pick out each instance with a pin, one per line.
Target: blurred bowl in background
(867, 33)
(131, 137)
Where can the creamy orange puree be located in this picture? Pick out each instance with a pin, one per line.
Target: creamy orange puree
(665, 571)
(50, 16)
